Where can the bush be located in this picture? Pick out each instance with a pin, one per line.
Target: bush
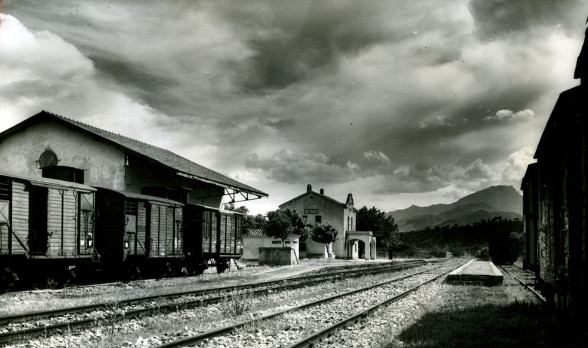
(411, 250)
(236, 303)
(437, 251)
(457, 252)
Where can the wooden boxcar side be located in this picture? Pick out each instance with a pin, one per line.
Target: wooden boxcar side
(211, 236)
(231, 229)
(166, 230)
(137, 233)
(561, 202)
(46, 227)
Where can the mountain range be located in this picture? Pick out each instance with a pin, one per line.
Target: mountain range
(493, 202)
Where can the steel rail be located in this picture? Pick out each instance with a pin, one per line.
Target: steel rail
(341, 324)
(539, 296)
(166, 307)
(105, 305)
(522, 269)
(228, 329)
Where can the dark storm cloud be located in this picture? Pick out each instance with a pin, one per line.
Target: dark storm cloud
(290, 167)
(281, 124)
(428, 175)
(506, 17)
(417, 98)
(305, 38)
(132, 75)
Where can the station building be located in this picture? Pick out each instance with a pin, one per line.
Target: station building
(316, 207)
(152, 201)
(52, 146)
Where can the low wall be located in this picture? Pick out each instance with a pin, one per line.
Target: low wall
(277, 256)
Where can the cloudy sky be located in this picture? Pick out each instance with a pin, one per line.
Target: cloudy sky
(398, 102)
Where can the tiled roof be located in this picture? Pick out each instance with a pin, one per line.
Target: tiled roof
(256, 232)
(309, 193)
(159, 155)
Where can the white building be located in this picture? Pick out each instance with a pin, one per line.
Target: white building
(318, 208)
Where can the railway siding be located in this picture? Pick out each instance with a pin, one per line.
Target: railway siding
(108, 312)
(382, 328)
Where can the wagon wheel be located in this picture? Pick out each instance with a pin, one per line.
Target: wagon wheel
(133, 272)
(221, 265)
(7, 279)
(61, 277)
(198, 269)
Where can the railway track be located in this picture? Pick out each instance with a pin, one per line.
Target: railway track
(56, 321)
(326, 314)
(525, 278)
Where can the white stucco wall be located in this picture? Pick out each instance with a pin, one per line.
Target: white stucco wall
(103, 164)
(314, 204)
(251, 245)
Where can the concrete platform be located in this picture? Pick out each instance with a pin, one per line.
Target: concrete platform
(484, 272)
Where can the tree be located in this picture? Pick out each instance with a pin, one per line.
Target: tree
(253, 222)
(392, 242)
(242, 209)
(299, 227)
(282, 223)
(384, 227)
(249, 222)
(324, 233)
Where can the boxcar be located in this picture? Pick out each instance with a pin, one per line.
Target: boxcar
(46, 230)
(139, 235)
(504, 250)
(58, 230)
(212, 237)
(556, 190)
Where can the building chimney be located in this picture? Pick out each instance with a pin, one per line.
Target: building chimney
(308, 188)
(322, 191)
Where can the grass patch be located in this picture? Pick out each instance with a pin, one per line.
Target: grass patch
(519, 324)
(236, 303)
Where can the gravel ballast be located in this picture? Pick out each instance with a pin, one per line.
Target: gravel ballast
(381, 329)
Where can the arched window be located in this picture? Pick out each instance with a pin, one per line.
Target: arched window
(48, 158)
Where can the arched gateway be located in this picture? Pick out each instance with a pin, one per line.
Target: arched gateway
(360, 245)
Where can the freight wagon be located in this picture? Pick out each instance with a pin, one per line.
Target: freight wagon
(556, 203)
(46, 229)
(53, 231)
(504, 250)
(138, 235)
(556, 190)
(212, 237)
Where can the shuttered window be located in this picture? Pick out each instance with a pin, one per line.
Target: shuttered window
(131, 208)
(4, 189)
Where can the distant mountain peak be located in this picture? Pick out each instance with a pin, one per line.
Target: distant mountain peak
(495, 201)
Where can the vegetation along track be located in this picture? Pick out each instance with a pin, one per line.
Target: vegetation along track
(48, 322)
(303, 324)
(524, 277)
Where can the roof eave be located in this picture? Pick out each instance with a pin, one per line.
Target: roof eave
(236, 189)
